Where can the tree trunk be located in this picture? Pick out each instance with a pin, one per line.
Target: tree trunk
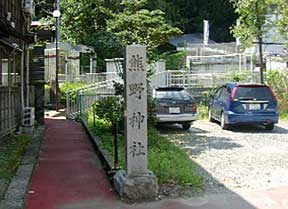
(261, 59)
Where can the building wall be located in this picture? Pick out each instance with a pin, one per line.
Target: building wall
(14, 64)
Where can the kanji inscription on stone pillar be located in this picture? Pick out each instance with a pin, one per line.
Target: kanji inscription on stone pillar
(136, 110)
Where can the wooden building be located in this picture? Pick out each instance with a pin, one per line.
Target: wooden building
(15, 38)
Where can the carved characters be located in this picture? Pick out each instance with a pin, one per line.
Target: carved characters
(136, 63)
(136, 89)
(136, 149)
(136, 120)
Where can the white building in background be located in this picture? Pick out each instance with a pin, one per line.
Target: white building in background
(213, 57)
(69, 61)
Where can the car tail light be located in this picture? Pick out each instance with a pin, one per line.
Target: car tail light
(194, 107)
(233, 94)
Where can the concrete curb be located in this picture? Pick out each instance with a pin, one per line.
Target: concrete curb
(16, 193)
(105, 157)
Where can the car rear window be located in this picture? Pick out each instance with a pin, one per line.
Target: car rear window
(254, 93)
(175, 95)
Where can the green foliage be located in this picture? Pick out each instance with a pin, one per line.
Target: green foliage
(11, 151)
(106, 46)
(102, 129)
(82, 19)
(43, 8)
(168, 162)
(109, 109)
(47, 87)
(151, 106)
(240, 76)
(174, 61)
(142, 26)
(278, 80)
(282, 21)
(252, 19)
(188, 15)
(202, 110)
(69, 87)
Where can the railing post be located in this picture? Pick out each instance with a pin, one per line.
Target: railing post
(79, 101)
(67, 105)
(94, 115)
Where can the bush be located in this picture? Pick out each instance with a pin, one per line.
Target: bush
(202, 110)
(174, 61)
(68, 87)
(278, 80)
(113, 114)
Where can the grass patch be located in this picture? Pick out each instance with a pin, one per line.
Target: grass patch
(202, 111)
(11, 151)
(283, 114)
(168, 162)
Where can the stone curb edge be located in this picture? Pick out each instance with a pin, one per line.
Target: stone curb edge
(102, 153)
(16, 192)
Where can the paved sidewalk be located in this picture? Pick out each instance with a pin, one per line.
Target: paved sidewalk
(68, 171)
(69, 176)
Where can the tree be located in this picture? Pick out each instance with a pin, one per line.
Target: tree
(106, 46)
(43, 8)
(252, 15)
(81, 19)
(188, 15)
(138, 25)
(282, 10)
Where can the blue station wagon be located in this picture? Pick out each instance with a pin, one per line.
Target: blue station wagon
(235, 103)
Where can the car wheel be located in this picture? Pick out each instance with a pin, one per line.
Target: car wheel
(269, 126)
(210, 116)
(186, 126)
(223, 124)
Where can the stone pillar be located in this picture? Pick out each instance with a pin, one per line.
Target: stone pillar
(137, 182)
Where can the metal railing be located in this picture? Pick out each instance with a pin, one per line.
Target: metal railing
(10, 110)
(88, 78)
(189, 80)
(79, 101)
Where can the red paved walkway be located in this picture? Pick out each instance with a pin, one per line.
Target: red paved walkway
(69, 176)
(68, 170)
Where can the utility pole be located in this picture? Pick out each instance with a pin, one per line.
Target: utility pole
(57, 14)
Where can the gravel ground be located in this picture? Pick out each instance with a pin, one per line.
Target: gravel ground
(247, 157)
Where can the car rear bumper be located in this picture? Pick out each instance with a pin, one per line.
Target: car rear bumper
(233, 118)
(186, 117)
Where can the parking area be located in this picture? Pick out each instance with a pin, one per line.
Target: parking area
(244, 158)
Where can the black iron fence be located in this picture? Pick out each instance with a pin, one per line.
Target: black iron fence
(10, 110)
